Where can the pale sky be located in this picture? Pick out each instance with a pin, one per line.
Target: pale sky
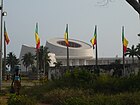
(81, 15)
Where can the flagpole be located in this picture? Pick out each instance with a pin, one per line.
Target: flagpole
(123, 63)
(94, 42)
(96, 55)
(96, 64)
(37, 49)
(67, 53)
(67, 58)
(96, 50)
(1, 46)
(123, 52)
(4, 53)
(37, 63)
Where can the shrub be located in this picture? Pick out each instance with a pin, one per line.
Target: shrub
(83, 97)
(75, 101)
(80, 86)
(76, 79)
(20, 100)
(64, 96)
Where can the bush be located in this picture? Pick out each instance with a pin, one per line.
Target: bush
(20, 100)
(64, 96)
(119, 99)
(75, 101)
(76, 79)
(85, 80)
(83, 97)
(82, 87)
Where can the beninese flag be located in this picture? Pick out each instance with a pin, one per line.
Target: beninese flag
(6, 35)
(94, 39)
(37, 37)
(124, 41)
(66, 36)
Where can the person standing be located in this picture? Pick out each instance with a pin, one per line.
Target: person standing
(16, 82)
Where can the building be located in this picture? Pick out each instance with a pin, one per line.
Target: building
(79, 51)
(25, 49)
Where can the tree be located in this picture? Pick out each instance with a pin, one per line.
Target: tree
(41, 59)
(117, 68)
(138, 51)
(44, 58)
(134, 3)
(11, 60)
(131, 52)
(3, 68)
(47, 59)
(28, 59)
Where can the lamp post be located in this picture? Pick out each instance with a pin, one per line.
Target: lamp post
(2, 14)
(1, 45)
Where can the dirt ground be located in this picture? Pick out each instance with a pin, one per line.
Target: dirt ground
(4, 94)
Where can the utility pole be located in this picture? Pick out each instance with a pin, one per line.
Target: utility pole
(1, 8)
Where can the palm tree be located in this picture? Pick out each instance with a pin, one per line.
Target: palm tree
(11, 60)
(131, 52)
(44, 58)
(47, 59)
(28, 59)
(138, 51)
(40, 57)
(4, 69)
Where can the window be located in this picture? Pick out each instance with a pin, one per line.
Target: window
(72, 44)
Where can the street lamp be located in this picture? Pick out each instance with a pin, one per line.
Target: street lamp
(2, 14)
(1, 8)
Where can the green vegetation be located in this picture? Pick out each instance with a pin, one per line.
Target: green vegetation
(81, 87)
(27, 60)
(11, 60)
(20, 100)
(131, 52)
(44, 59)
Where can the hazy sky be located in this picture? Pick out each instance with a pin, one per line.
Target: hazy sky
(81, 15)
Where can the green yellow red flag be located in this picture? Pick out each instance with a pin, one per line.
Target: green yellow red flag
(66, 36)
(37, 37)
(7, 40)
(94, 39)
(124, 41)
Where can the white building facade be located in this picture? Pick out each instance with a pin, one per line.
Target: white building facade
(79, 51)
(25, 49)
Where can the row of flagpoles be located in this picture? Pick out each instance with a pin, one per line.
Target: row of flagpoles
(93, 42)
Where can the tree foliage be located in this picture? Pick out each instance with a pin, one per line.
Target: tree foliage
(134, 3)
(11, 60)
(131, 52)
(138, 51)
(28, 59)
(44, 58)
